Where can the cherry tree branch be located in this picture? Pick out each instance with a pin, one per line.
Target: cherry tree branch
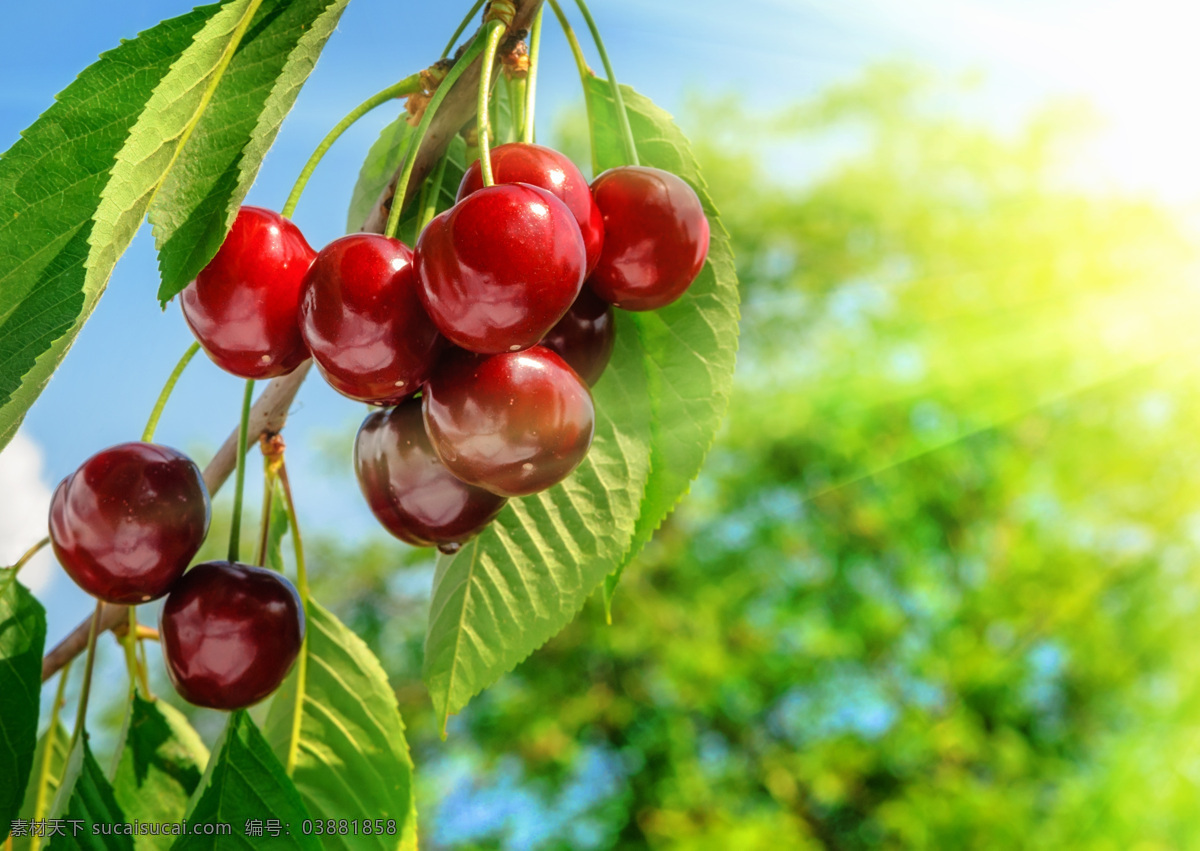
(270, 412)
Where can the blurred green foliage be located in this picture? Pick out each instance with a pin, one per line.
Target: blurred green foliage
(936, 587)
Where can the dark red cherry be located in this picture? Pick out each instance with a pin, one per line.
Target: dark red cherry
(513, 423)
(242, 306)
(655, 237)
(409, 490)
(362, 319)
(230, 633)
(126, 523)
(548, 169)
(584, 337)
(500, 267)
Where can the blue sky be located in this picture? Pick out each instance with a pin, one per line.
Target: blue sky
(1132, 60)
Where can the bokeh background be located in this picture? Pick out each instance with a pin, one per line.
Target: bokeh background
(936, 586)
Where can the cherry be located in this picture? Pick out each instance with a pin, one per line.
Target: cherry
(230, 633)
(548, 169)
(655, 237)
(242, 305)
(500, 267)
(584, 337)
(514, 423)
(362, 319)
(126, 523)
(409, 490)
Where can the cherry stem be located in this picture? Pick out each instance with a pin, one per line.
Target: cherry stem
(631, 155)
(265, 525)
(407, 86)
(495, 32)
(235, 527)
(429, 207)
(40, 804)
(28, 555)
(535, 42)
(89, 666)
(465, 23)
(514, 90)
(297, 543)
(165, 393)
(576, 50)
(414, 143)
(302, 588)
(585, 73)
(138, 679)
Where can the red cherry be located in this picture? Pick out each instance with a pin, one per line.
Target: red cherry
(409, 490)
(548, 169)
(230, 633)
(126, 523)
(655, 237)
(363, 321)
(514, 423)
(242, 306)
(584, 337)
(500, 267)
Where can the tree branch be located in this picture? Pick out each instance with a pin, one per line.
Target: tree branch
(269, 413)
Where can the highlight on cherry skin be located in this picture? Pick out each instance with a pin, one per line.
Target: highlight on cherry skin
(585, 336)
(409, 490)
(546, 168)
(126, 524)
(498, 269)
(513, 424)
(230, 633)
(655, 237)
(242, 306)
(363, 321)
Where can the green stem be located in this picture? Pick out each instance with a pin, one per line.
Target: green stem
(165, 394)
(622, 117)
(576, 50)
(235, 528)
(429, 208)
(495, 32)
(144, 666)
(265, 526)
(414, 144)
(535, 42)
(89, 666)
(407, 86)
(129, 642)
(302, 588)
(585, 73)
(28, 555)
(41, 803)
(465, 22)
(514, 90)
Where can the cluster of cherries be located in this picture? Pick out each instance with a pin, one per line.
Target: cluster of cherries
(480, 345)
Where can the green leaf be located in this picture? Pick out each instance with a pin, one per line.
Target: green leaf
(86, 798)
(277, 528)
(199, 199)
(160, 767)
(49, 763)
(22, 639)
(381, 163)
(244, 783)
(351, 758)
(691, 345)
(165, 126)
(55, 253)
(518, 583)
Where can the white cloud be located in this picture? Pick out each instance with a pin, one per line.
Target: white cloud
(24, 506)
